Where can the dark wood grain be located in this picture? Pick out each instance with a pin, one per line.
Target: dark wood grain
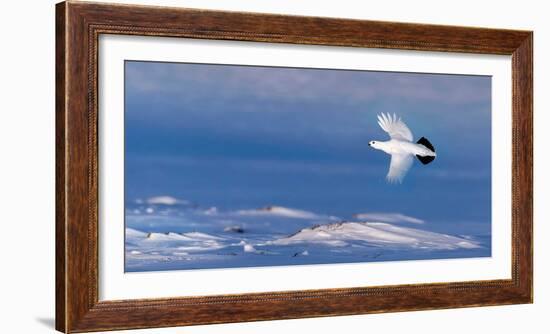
(60, 180)
(78, 27)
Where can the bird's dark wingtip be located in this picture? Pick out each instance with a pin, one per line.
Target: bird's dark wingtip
(426, 142)
(425, 160)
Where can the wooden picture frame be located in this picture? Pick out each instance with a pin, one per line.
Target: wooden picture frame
(78, 26)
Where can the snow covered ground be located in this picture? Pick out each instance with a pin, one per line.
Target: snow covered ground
(169, 234)
(375, 234)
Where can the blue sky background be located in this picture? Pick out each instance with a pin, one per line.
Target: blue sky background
(239, 137)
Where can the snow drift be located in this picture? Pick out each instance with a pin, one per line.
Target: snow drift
(380, 234)
(280, 211)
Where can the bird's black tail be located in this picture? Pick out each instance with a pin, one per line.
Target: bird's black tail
(426, 159)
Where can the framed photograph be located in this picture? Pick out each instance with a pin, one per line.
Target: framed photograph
(223, 167)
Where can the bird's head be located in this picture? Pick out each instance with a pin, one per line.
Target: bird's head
(375, 144)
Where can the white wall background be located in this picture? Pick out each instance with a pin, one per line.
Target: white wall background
(27, 165)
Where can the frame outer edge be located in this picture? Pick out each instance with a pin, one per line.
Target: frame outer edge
(524, 176)
(61, 317)
(73, 300)
(531, 170)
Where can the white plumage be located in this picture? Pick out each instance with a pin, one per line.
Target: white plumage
(400, 147)
(395, 127)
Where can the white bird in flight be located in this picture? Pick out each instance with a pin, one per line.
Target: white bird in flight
(401, 148)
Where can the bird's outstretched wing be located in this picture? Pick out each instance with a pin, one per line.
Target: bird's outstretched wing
(395, 127)
(399, 165)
